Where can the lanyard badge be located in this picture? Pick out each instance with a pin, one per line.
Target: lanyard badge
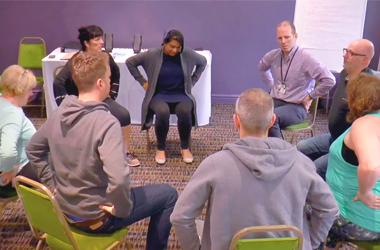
(282, 88)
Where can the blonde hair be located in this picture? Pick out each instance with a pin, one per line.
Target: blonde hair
(16, 80)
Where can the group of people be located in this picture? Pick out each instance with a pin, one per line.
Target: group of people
(168, 88)
(258, 180)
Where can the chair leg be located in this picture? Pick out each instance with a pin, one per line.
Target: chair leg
(42, 101)
(2, 206)
(41, 240)
(312, 132)
(294, 134)
(147, 141)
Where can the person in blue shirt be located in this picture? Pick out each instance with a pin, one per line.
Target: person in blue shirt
(15, 128)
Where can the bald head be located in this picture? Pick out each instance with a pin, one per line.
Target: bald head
(358, 56)
(365, 47)
(254, 107)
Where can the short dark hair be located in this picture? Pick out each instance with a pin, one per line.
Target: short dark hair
(86, 33)
(87, 68)
(174, 35)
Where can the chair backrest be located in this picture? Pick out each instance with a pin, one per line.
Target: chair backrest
(283, 243)
(31, 54)
(42, 210)
(57, 70)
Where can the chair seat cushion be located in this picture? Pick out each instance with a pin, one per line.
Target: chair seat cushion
(268, 243)
(300, 125)
(87, 240)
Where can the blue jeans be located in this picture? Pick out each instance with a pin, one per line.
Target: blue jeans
(154, 201)
(317, 149)
(286, 114)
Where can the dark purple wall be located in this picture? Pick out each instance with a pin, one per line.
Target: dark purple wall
(238, 33)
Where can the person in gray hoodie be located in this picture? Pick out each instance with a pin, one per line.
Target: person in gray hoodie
(87, 168)
(254, 181)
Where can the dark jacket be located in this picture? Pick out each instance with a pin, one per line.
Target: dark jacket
(64, 84)
(339, 107)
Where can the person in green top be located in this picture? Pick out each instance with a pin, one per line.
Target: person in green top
(15, 128)
(354, 166)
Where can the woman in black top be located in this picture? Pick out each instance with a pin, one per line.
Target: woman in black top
(91, 39)
(170, 72)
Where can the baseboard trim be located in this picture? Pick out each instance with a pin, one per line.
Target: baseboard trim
(223, 99)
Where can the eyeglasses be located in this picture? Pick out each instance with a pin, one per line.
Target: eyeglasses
(350, 53)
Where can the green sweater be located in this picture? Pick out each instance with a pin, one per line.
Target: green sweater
(15, 132)
(343, 181)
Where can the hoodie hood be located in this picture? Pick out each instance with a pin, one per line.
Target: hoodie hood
(72, 109)
(266, 158)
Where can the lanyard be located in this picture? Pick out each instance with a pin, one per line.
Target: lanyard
(286, 74)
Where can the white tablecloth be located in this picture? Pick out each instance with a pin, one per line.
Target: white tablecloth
(131, 93)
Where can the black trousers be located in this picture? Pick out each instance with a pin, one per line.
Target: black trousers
(26, 171)
(162, 110)
(121, 113)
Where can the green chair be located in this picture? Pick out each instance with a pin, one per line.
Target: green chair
(44, 215)
(363, 245)
(283, 243)
(306, 124)
(31, 52)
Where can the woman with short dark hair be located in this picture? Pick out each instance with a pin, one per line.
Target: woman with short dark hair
(168, 89)
(91, 39)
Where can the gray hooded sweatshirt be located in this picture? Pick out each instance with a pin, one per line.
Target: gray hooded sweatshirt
(87, 166)
(254, 182)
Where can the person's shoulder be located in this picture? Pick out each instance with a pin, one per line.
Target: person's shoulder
(371, 71)
(154, 50)
(187, 50)
(109, 55)
(273, 53)
(306, 54)
(221, 159)
(9, 112)
(303, 165)
(369, 122)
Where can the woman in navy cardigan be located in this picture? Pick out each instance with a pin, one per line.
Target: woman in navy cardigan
(168, 89)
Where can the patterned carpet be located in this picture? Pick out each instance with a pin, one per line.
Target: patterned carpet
(15, 233)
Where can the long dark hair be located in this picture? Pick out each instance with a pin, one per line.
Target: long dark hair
(87, 33)
(174, 35)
